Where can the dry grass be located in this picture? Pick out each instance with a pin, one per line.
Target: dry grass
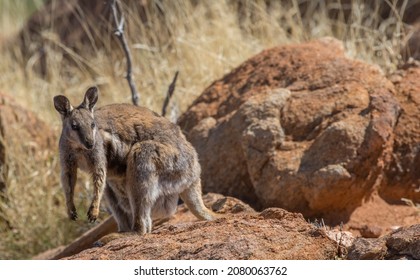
(205, 41)
(415, 206)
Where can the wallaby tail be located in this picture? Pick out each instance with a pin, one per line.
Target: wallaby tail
(193, 199)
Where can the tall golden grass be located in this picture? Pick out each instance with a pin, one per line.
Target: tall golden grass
(203, 40)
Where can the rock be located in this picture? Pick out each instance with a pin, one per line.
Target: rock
(272, 234)
(370, 231)
(81, 26)
(22, 134)
(73, 22)
(403, 243)
(402, 178)
(367, 249)
(299, 127)
(105, 231)
(217, 202)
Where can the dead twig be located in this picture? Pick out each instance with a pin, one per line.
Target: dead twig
(84, 242)
(119, 32)
(169, 93)
(341, 249)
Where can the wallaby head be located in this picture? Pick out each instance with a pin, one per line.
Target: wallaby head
(79, 125)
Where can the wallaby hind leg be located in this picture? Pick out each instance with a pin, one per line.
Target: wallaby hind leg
(142, 185)
(141, 221)
(193, 199)
(141, 198)
(122, 217)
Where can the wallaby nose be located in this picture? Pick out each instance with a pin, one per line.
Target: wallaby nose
(89, 144)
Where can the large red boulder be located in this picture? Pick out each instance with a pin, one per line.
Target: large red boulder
(403, 174)
(300, 127)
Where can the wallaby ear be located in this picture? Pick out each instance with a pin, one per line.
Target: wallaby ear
(91, 97)
(62, 105)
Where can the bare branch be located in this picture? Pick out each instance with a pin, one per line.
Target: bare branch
(119, 32)
(84, 242)
(169, 93)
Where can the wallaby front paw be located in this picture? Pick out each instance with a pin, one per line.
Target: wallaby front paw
(73, 214)
(92, 214)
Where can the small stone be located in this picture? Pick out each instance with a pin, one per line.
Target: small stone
(370, 231)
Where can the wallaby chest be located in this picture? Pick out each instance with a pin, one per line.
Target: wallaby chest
(84, 161)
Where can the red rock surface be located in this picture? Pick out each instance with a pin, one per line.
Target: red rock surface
(402, 244)
(272, 234)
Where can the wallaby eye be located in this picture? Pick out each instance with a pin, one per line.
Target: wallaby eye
(74, 126)
(92, 125)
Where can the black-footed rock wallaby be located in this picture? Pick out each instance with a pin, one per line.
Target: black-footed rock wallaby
(138, 159)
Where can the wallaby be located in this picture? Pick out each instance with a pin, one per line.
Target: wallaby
(140, 161)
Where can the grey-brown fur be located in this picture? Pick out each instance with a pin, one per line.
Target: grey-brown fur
(138, 159)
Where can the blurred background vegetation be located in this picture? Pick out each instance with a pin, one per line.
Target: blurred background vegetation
(63, 47)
